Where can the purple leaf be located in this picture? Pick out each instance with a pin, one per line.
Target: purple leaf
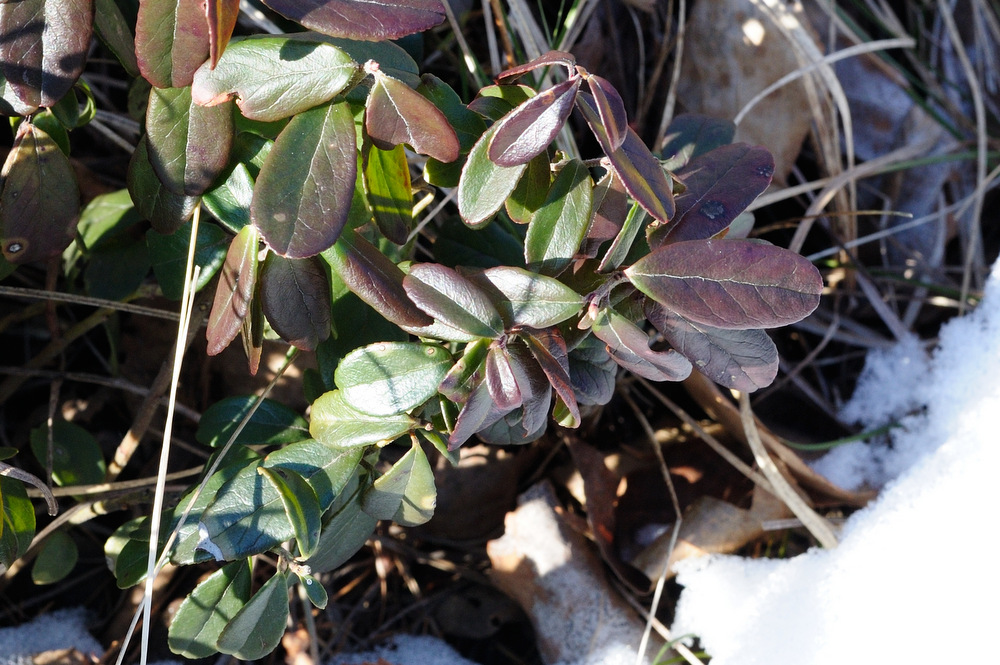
(165, 210)
(454, 302)
(234, 292)
(629, 347)
(171, 41)
(567, 60)
(368, 20)
(478, 412)
(611, 109)
(295, 298)
(500, 380)
(743, 360)
(731, 284)
(221, 15)
(528, 130)
(549, 349)
(536, 391)
(397, 114)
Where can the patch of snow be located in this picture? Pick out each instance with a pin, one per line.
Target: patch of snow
(62, 629)
(406, 650)
(915, 576)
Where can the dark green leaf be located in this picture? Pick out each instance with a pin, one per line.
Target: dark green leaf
(111, 28)
(397, 114)
(328, 469)
(303, 193)
(387, 186)
(118, 260)
(611, 110)
(343, 535)
(221, 15)
(188, 144)
(207, 610)
(690, 135)
(300, 503)
(17, 521)
(43, 47)
(389, 378)
(76, 455)
(168, 255)
(274, 77)
(230, 201)
(127, 552)
(460, 309)
(486, 247)
(484, 186)
(258, 626)
(272, 423)
(360, 19)
(55, 560)
(171, 41)
(315, 591)
(531, 190)
(467, 373)
(234, 291)
(405, 493)
(295, 298)
(337, 423)
(731, 284)
(529, 299)
(619, 249)
(40, 200)
(560, 225)
(528, 130)
(165, 210)
(468, 125)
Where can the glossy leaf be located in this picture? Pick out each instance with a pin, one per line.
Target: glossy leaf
(567, 60)
(742, 360)
(560, 225)
(165, 210)
(295, 298)
(528, 299)
(611, 206)
(618, 251)
(478, 411)
(315, 591)
(509, 430)
(168, 255)
(234, 291)
(387, 186)
(40, 199)
(468, 125)
(531, 190)
(17, 521)
(328, 469)
(303, 193)
(362, 19)
(730, 284)
(252, 335)
(229, 202)
(484, 186)
(496, 101)
(221, 16)
(10, 103)
(375, 279)
(337, 423)
(720, 185)
(457, 305)
(535, 388)
(171, 41)
(343, 536)
(257, 627)
(397, 114)
(76, 456)
(500, 381)
(56, 559)
(467, 373)
(111, 27)
(272, 423)
(274, 77)
(43, 47)
(629, 347)
(405, 493)
(126, 552)
(188, 144)
(207, 610)
(690, 135)
(549, 349)
(528, 130)
(610, 108)
(389, 378)
(300, 503)
(592, 372)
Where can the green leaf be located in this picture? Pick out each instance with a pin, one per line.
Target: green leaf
(258, 626)
(460, 380)
(229, 202)
(528, 130)
(207, 610)
(397, 114)
(118, 260)
(188, 144)
(234, 291)
(387, 186)
(328, 469)
(127, 552)
(300, 503)
(337, 423)
(272, 423)
(303, 193)
(171, 41)
(531, 190)
(388, 378)
(43, 47)
(55, 560)
(343, 535)
(485, 186)
(315, 591)
(40, 200)
(405, 493)
(274, 77)
(168, 255)
(529, 299)
(17, 521)
(295, 298)
(113, 30)
(165, 210)
(619, 249)
(461, 310)
(629, 347)
(359, 19)
(76, 455)
(560, 225)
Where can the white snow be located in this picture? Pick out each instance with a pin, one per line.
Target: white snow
(62, 629)
(915, 578)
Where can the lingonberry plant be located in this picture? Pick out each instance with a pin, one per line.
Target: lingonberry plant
(511, 315)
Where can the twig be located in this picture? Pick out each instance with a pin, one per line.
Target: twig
(31, 479)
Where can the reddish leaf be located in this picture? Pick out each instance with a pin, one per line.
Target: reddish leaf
(234, 291)
(295, 298)
(369, 20)
(611, 109)
(475, 413)
(500, 381)
(43, 47)
(739, 359)
(466, 374)
(731, 284)
(529, 129)
(567, 60)
(549, 349)
(304, 190)
(536, 391)
(40, 202)
(610, 209)
(171, 41)
(629, 347)
(396, 114)
(221, 16)
(455, 302)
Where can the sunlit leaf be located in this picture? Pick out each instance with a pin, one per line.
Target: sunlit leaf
(362, 19)
(40, 200)
(76, 456)
(272, 423)
(618, 251)
(629, 347)
(343, 535)
(397, 114)
(295, 297)
(610, 108)
(300, 503)
(257, 627)
(165, 210)
(387, 186)
(43, 47)
(113, 29)
(730, 284)
(171, 41)
(234, 291)
(315, 591)
(468, 125)
(168, 255)
(274, 77)
(221, 15)
(405, 493)
(560, 225)
(467, 373)
(337, 423)
(528, 130)
(562, 58)
(611, 207)
(455, 302)
(337, 466)
(303, 193)
(478, 411)
(56, 559)
(529, 299)
(689, 135)
(389, 378)
(531, 190)
(484, 186)
(500, 380)
(549, 349)
(17, 521)
(204, 613)
(229, 202)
